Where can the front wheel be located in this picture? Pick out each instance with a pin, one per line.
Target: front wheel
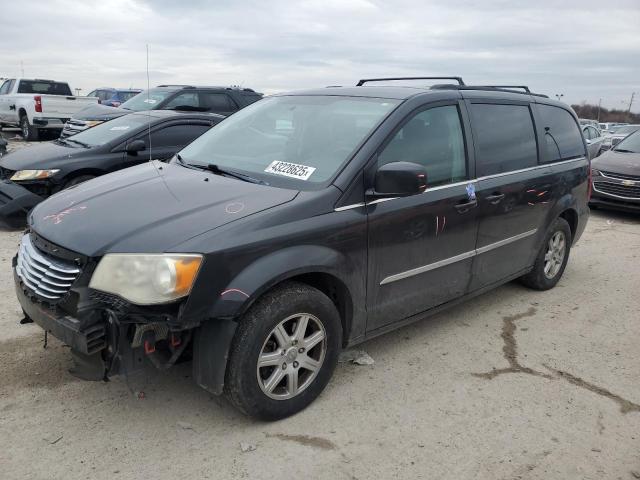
(284, 352)
(552, 257)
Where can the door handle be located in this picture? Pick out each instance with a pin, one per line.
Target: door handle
(495, 198)
(466, 206)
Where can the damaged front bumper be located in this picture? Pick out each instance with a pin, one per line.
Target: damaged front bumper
(15, 203)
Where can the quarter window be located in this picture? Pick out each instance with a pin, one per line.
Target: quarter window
(432, 138)
(562, 138)
(504, 137)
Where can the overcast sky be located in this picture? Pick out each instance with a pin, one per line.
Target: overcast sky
(586, 50)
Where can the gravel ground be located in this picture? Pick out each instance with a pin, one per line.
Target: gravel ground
(515, 384)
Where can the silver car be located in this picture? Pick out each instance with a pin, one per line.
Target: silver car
(594, 139)
(618, 134)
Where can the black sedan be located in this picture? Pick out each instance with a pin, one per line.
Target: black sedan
(31, 174)
(616, 176)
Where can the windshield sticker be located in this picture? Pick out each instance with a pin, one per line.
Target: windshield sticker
(117, 129)
(150, 100)
(293, 170)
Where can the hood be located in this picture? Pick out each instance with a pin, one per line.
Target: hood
(100, 112)
(618, 162)
(38, 156)
(147, 210)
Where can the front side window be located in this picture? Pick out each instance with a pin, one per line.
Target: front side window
(587, 133)
(432, 138)
(504, 137)
(5, 87)
(176, 135)
(562, 138)
(290, 141)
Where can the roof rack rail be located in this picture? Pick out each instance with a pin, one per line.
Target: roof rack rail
(186, 86)
(490, 88)
(522, 87)
(366, 80)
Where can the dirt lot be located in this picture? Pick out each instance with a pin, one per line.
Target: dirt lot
(515, 384)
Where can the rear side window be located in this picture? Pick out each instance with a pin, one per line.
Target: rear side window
(186, 101)
(217, 102)
(176, 135)
(562, 138)
(504, 137)
(44, 87)
(432, 138)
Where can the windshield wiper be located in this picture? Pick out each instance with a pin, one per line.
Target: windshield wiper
(623, 150)
(82, 144)
(212, 167)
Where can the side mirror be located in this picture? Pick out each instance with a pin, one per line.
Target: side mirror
(136, 146)
(400, 179)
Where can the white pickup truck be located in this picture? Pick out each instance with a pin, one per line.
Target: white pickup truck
(34, 104)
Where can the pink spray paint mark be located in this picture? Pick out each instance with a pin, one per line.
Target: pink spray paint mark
(234, 290)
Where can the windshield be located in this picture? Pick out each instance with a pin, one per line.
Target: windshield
(627, 129)
(127, 95)
(290, 140)
(147, 100)
(106, 132)
(630, 144)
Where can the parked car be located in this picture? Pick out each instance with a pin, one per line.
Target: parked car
(36, 105)
(221, 100)
(114, 97)
(305, 223)
(616, 176)
(29, 175)
(617, 135)
(594, 139)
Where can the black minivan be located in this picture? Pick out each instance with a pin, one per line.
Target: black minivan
(303, 224)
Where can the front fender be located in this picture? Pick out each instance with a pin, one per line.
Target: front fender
(258, 277)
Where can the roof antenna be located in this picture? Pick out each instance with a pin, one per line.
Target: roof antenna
(149, 133)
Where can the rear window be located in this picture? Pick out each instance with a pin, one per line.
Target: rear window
(505, 138)
(44, 87)
(562, 138)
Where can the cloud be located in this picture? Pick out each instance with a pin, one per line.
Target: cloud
(586, 50)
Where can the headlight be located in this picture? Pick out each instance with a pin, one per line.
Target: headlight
(93, 123)
(146, 279)
(21, 175)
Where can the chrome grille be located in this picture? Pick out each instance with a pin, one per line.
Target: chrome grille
(623, 176)
(631, 192)
(46, 276)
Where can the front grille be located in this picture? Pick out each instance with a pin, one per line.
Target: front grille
(623, 176)
(46, 276)
(617, 189)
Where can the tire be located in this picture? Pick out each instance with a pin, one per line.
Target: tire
(552, 258)
(77, 180)
(256, 391)
(29, 132)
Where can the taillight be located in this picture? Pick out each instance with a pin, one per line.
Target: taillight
(38, 100)
(590, 188)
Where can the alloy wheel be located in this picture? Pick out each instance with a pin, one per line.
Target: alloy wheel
(554, 257)
(291, 356)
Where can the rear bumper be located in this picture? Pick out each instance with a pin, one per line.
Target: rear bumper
(15, 203)
(47, 122)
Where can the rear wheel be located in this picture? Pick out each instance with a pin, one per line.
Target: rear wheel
(29, 132)
(284, 352)
(552, 257)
